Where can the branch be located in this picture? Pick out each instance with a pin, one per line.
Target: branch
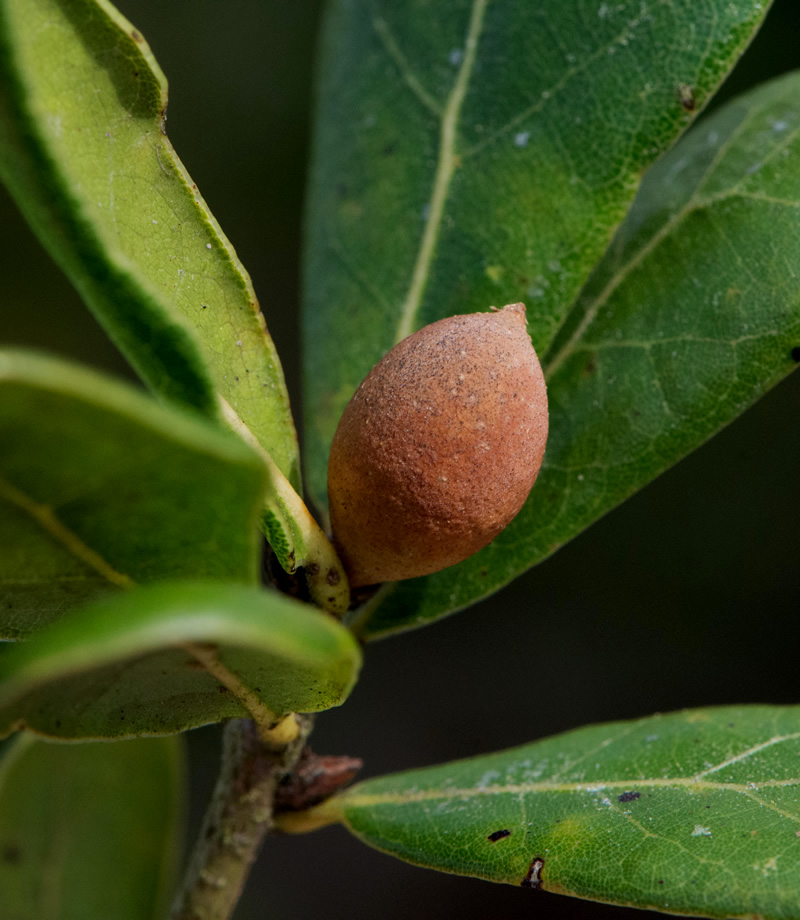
(239, 817)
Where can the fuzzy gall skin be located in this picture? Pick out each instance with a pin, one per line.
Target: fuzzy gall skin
(439, 447)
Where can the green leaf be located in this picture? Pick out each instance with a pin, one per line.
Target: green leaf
(173, 656)
(483, 156)
(101, 487)
(694, 812)
(90, 830)
(83, 150)
(691, 317)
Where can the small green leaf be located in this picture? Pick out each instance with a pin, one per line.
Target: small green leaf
(690, 318)
(173, 656)
(91, 830)
(696, 812)
(483, 156)
(83, 150)
(101, 487)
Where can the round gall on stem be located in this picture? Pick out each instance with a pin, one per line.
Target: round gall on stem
(439, 447)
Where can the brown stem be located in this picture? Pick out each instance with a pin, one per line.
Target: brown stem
(239, 816)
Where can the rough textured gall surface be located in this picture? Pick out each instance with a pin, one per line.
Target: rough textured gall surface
(438, 448)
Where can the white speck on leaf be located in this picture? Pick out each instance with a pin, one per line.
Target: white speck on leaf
(771, 865)
(208, 245)
(700, 831)
(487, 779)
(521, 138)
(455, 57)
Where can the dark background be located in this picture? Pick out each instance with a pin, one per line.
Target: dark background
(688, 595)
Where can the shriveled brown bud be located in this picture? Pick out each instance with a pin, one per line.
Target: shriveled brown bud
(439, 447)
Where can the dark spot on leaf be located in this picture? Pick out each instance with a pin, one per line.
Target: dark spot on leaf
(498, 835)
(203, 306)
(136, 73)
(312, 568)
(389, 149)
(795, 356)
(11, 854)
(661, 881)
(222, 689)
(534, 877)
(332, 577)
(257, 689)
(135, 36)
(58, 723)
(590, 367)
(629, 796)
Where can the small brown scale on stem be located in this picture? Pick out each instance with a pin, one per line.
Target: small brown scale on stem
(439, 447)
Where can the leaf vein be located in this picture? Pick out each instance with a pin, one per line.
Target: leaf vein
(383, 32)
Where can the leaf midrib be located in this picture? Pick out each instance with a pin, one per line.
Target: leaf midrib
(52, 525)
(366, 800)
(696, 782)
(445, 167)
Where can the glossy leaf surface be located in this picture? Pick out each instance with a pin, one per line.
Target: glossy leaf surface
(138, 663)
(90, 830)
(101, 487)
(691, 317)
(696, 812)
(483, 155)
(83, 150)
